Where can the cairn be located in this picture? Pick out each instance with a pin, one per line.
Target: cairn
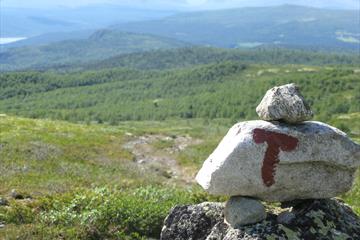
(280, 158)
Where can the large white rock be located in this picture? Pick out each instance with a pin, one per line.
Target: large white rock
(284, 103)
(281, 162)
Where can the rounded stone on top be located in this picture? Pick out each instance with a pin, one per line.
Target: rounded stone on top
(284, 103)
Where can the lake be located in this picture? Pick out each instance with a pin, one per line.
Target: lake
(10, 40)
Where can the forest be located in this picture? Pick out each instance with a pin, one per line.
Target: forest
(223, 90)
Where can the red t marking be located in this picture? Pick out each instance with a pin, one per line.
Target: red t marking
(276, 142)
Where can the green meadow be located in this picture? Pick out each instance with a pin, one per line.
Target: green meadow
(79, 181)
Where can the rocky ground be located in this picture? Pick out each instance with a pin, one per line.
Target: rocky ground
(311, 219)
(157, 153)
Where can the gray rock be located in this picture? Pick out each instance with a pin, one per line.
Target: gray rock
(2, 225)
(314, 219)
(279, 162)
(14, 194)
(195, 221)
(242, 211)
(286, 218)
(284, 103)
(19, 196)
(3, 202)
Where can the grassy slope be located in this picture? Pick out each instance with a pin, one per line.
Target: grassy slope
(62, 165)
(46, 157)
(70, 170)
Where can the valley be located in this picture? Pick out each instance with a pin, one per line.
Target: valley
(106, 151)
(108, 112)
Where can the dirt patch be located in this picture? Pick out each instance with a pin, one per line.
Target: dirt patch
(162, 160)
(42, 151)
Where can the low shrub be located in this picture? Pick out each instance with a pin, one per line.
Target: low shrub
(101, 213)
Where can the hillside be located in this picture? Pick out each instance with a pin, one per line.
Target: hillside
(86, 181)
(192, 56)
(101, 44)
(90, 182)
(224, 90)
(286, 25)
(119, 179)
(187, 57)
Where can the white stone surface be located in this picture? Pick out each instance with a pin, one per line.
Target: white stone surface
(284, 103)
(241, 211)
(322, 165)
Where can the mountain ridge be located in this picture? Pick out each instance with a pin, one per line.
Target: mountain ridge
(101, 44)
(286, 24)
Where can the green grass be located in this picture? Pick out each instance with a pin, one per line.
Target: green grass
(100, 213)
(46, 156)
(84, 184)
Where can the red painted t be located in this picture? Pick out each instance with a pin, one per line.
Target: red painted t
(276, 142)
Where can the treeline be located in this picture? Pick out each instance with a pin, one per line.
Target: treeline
(225, 90)
(187, 57)
(191, 56)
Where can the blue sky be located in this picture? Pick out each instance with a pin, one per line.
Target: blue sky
(180, 4)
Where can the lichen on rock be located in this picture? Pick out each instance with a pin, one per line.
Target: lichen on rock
(284, 103)
(328, 219)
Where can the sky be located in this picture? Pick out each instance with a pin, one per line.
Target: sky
(180, 4)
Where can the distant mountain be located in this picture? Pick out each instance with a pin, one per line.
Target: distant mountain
(29, 22)
(100, 45)
(286, 25)
(333, 4)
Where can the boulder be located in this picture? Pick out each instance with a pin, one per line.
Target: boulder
(284, 103)
(192, 222)
(275, 161)
(242, 211)
(313, 219)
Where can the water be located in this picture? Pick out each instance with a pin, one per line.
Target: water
(10, 40)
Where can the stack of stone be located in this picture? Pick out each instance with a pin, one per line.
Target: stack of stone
(280, 158)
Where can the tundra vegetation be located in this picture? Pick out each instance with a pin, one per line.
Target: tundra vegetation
(81, 149)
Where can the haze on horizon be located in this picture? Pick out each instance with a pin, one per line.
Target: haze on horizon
(181, 4)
